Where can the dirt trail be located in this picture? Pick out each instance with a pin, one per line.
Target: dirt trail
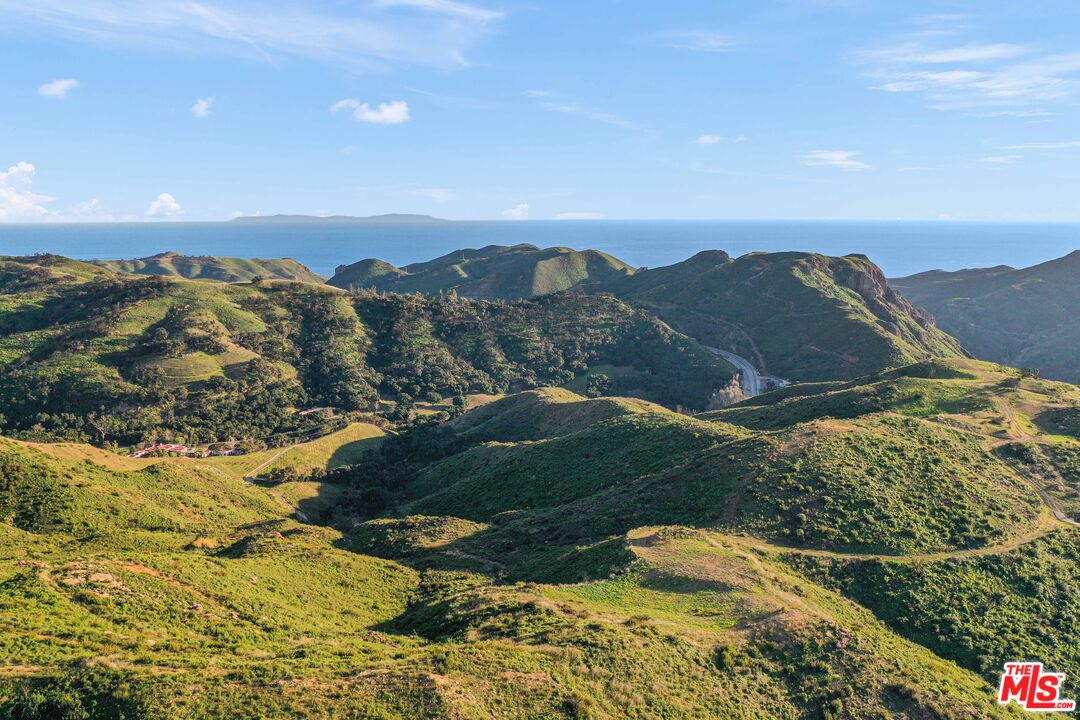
(252, 474)
(1048, 523)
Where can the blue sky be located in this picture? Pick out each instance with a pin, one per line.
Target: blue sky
(173, 109)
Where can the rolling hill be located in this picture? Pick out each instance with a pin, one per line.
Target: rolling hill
(90, 354)
(174, 589)
(870, 546)
(173, 264)
(493, 272)
(1025, 318)
(799, 316)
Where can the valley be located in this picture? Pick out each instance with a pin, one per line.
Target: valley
(525, 507)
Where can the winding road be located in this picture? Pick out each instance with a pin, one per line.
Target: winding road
(748, 374)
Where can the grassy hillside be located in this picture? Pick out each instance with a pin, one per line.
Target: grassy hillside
(174, 264)
(490, 272)
(796, 315)
(178, 591)
(1024, 318)
(97, 356)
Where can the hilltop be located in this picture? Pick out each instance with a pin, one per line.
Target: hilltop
(801, 316)
(492, 272)
(173, 264)
(1027, 318)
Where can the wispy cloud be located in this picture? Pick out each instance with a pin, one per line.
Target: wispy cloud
(974, 75)
(433, 33)
(844, 159)
(1066, 145)
(58, 89)
(1001, 159)
(391, 113)
(518, 212)
(201, 108)
(701, 41)
(555, 103)
(445, 7)
(972, 52)
(708, 139)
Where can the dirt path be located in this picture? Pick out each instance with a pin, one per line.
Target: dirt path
(1048, 523)
(252, 474)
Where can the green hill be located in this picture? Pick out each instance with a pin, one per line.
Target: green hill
(1024, 318)
(799, 316)
(520, 271)
(145, 600)
(97, 356)
(174, 264)
(795, 315)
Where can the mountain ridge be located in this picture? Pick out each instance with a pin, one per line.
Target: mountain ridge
(1017, 316)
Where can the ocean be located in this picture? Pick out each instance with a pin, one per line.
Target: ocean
(899, 248)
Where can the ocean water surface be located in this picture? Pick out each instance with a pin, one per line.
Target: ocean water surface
(899, 248)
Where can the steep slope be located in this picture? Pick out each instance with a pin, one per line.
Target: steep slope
(174, 264)
(796, 315)
(519, 271)
(1025, 318)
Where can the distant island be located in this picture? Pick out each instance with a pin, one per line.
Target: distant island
(386, 218)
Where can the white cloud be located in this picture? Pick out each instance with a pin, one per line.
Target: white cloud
(701, 41)
(708, 139)
(976, 75)
(518, 212)
(844, 159)
(1067, 145)
(441, 195)
(88, 211)
(539, 93)
(164, 206)
(431, 33)
(973, 52)
(17, 202)
(58, 89)
(391, 113)
(201, 108)
(579, 216)
(1001, 159)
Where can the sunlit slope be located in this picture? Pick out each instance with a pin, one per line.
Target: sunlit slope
(518, 271)
(214, 268)
(796, 315)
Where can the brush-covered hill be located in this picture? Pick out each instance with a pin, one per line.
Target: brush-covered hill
(203, 267)
(903, 491)
(174, 589)
(89, 354)
(1025, 318)
(504, 272)
(800, 316)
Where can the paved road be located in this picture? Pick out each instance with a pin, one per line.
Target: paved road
(748, 374)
